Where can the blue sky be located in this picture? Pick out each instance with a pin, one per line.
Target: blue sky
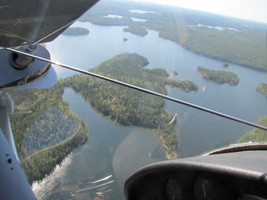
(255, 10)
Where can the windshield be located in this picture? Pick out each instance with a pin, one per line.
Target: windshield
(79, 137)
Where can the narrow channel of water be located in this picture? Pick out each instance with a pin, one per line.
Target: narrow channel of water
(198, 132)
(110, 150)
(118, 150)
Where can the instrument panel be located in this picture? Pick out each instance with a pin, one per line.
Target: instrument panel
(202, 180)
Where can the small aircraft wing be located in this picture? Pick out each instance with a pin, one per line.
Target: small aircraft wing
(12, 182)
(26, 22)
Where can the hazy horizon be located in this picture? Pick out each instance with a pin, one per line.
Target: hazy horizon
(247, 9)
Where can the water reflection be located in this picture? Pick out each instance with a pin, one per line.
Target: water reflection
(101, 165)
(115, 151)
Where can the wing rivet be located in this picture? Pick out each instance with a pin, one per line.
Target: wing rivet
(9, 160)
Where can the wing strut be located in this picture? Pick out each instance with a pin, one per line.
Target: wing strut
(213, 112)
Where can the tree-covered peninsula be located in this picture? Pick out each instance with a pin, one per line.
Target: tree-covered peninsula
(262, 88)
(76, 31)
(127, 106)
(46, 131)
(257, 135)
(219, 77)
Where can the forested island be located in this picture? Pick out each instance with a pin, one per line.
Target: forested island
(262, 88)
(219, 77)
(47, 134)
(238, 41)
(135, 29)
(75, 31)
(127, 106)
(257, 135)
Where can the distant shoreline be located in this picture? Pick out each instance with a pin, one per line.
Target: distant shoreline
(226, 44)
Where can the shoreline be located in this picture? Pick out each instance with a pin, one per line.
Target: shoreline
(162, 141)
(251, 67)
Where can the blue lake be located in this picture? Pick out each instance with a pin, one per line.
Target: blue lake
(117, 150)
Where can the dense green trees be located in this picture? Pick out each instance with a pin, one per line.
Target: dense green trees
(36, 166)
(186, 86)
(257, 135)
(47, 134)
(49, 128)
(127, 106)
(157, 72)
(136, 29)
(75, 31)
(219, 76)
(262, 88)
(234, 43)
(245, 48)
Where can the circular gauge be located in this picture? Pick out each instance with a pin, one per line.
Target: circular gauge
(173, 190)
(205, 189)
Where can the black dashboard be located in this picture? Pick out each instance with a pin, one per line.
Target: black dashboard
(236, 175)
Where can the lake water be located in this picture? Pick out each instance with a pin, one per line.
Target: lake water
(112, 152)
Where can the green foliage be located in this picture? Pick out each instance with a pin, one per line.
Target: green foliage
(123, 105)
(136, 29)
(44, 161)
(257, 135)
(167, 135)
(262, 88)
(219, 77)
(48, 134)
(157, 72)
(127, 106)
(106, 21)
(76, 31)
(243, 45)
(42, 131)
(186, 86)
